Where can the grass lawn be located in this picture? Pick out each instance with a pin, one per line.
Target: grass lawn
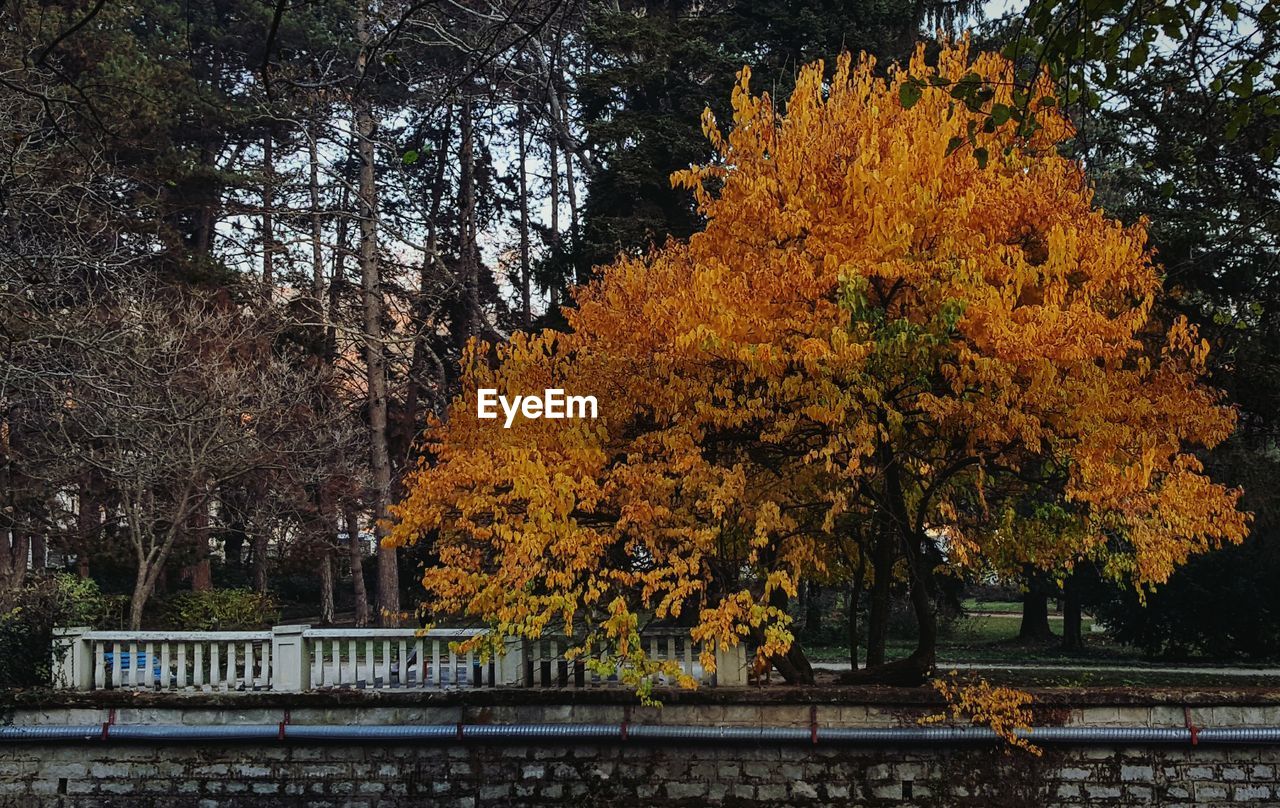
(1001, 606)
(988, 635)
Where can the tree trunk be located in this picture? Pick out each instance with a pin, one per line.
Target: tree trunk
(356, 560)
(317, 221)
(794, 665)
(39, 551)
(233, 542)
(1072, 636)
(1035, 618)
(571, 191)
(260, 562)
(467, 226)
(151, 558)
(339, 279)
(325, 526)
(142, 586)
(202, 237)
(416, 391)
(200, 572)
(925, 654)
(553, 180)
(260, 576)
(88, 523)
(526, 303)
(326, 585)
(148, 574)
(375, 362)
(13, 559)
(918, 667)
(812, 610)
(1035, 610)
(852, 604)
(915, 669)
(884, 554)
(268, 232)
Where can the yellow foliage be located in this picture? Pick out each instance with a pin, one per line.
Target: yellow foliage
(860, 306)
(1005, 710)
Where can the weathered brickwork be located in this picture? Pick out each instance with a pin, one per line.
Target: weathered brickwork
(618, 777)
(627, 775)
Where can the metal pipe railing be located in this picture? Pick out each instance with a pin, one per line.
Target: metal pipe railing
(630, 734)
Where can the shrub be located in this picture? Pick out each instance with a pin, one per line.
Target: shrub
(1221, 606)
(28, 619)
(225, 609)
(80, 600)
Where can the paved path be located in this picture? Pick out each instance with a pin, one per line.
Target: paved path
(945, 665)
(1007, 615)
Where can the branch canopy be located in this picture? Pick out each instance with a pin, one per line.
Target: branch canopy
(873, 328)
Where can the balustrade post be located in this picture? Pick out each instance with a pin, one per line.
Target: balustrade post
(72, 658)
(511, 667)
(290, 659)
(731, 666)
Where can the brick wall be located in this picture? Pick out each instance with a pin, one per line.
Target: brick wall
(630, 774)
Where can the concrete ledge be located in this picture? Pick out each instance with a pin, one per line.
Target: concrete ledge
(775, 695)
(779, 707)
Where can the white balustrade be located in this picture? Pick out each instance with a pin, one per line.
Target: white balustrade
(300, 658)
(171, 660)
(380, 659)
(546, 664)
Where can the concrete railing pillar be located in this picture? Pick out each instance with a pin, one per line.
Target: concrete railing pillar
(731, 666)
(510, 667)
(72, 658)
(290, 659)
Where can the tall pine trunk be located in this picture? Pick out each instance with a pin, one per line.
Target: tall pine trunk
(356, 560)
(571, 193)
(467, 228)
(375, 362)
(317, 221)
(268, 227)
(325, 562)
(553, 184)
(526, 304)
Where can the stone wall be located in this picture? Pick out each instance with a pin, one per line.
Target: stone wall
(620, 775)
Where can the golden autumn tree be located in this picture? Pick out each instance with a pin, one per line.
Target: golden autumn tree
(875, 335)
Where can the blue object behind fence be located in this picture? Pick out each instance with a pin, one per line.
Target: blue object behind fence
(127, 664)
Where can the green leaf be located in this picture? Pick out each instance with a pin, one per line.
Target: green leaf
(981, 156)
(1138, 56)
(1000, 114)
(909, 93)
(954, 143)
(410, 157)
